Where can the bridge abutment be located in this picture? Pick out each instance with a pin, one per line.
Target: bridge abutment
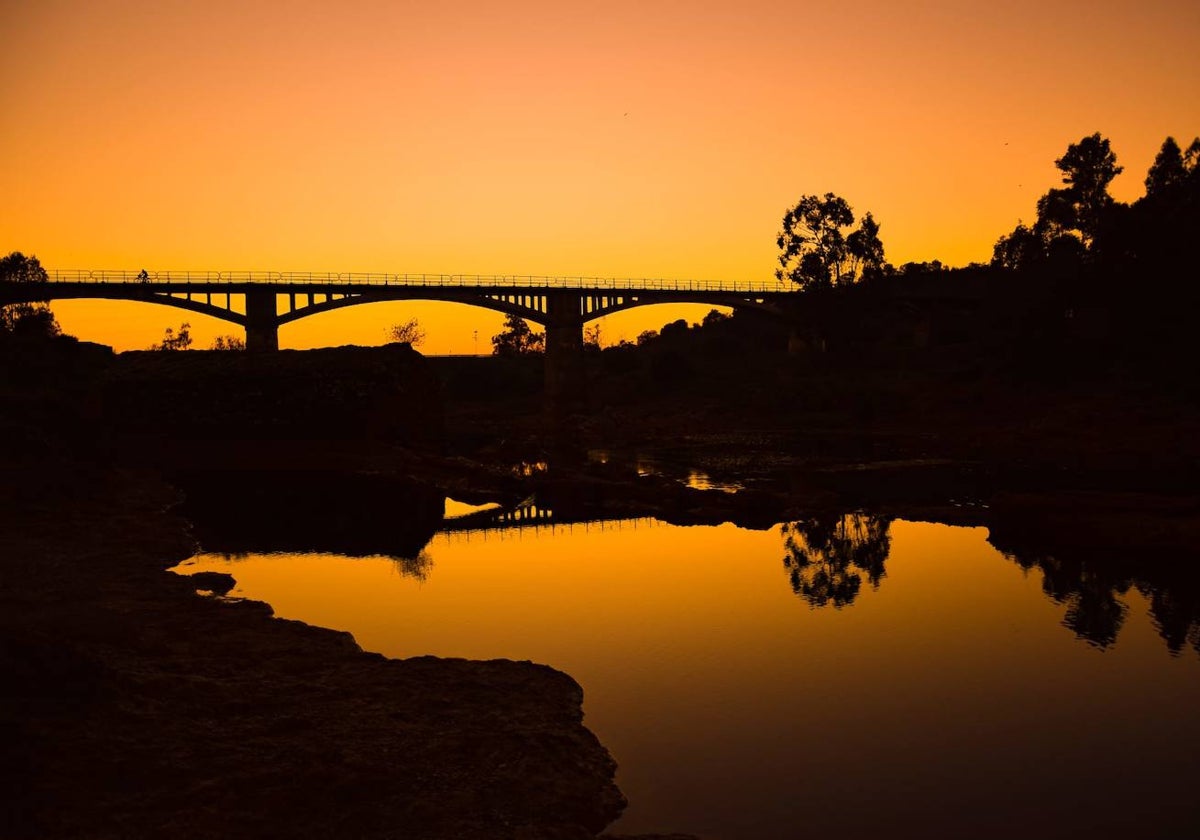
(262, 321)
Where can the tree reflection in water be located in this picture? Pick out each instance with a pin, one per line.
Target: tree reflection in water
(826, 556)
(1089, 593)
(418, 566)
(1089, 588)
(1176, 614)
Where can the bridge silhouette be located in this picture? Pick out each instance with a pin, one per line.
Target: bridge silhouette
(252, 299)
(262, 301)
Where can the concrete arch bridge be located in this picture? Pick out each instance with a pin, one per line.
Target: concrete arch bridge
(252, 299)
(261, 302)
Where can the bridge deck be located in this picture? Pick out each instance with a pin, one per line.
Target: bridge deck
(304, 280)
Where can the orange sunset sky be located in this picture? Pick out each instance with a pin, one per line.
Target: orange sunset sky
(637, 139)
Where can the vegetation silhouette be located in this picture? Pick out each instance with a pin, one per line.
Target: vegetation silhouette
(1091, 592)
(1093, 611)
(178, 340)
(409, 332)
(827, 556)
(517, 338)
(1090, 555)
(1118, 276)
(1069, 218)
(591, 337)
(25, 320)
(817, 253)
(228, 342)
(418, 566)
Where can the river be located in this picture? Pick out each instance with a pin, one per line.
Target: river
(848, 676)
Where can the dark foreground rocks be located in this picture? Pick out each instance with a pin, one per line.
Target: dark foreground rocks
(135, 708)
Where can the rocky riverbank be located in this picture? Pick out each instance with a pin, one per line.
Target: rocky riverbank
(136, 708)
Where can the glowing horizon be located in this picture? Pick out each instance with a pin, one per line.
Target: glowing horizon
(617, 139)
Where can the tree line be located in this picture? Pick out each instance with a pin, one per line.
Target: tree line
(1077, 222)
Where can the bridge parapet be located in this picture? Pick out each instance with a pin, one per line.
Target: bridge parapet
(374, 279)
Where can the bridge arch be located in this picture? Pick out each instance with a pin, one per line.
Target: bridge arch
(533, 307)
(728, 301)
(225, 312)
(524, 306)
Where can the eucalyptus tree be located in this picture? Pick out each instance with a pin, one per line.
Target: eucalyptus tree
(819, 249)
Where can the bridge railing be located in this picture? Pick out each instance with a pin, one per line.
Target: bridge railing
(475, 281)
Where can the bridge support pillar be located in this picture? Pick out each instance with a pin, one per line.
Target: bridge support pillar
(262, 321)
(564, 355)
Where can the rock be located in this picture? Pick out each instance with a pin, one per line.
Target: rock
(217, 583)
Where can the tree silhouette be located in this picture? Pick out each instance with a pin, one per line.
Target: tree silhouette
(826, 557)
(817, 252)
(1152, 246)
(1088, 589)
(1168, 171)
(1094, 613)
(517, 339)
(1024, 247)
(1088, 167)
(1172, 184)
(1069, 218)
(1176, 614)
(227, 342)
(866, 248)
(172, 340)
(27, 318)
(409, 332)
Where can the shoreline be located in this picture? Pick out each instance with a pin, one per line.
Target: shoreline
(142, 709)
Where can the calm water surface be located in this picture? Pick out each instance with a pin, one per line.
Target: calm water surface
(856, 678)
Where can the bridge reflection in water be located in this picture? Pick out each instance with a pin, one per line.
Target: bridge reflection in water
(532, 519)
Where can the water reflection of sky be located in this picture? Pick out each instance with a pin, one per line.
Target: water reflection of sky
(455, 509)
(947, 698)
